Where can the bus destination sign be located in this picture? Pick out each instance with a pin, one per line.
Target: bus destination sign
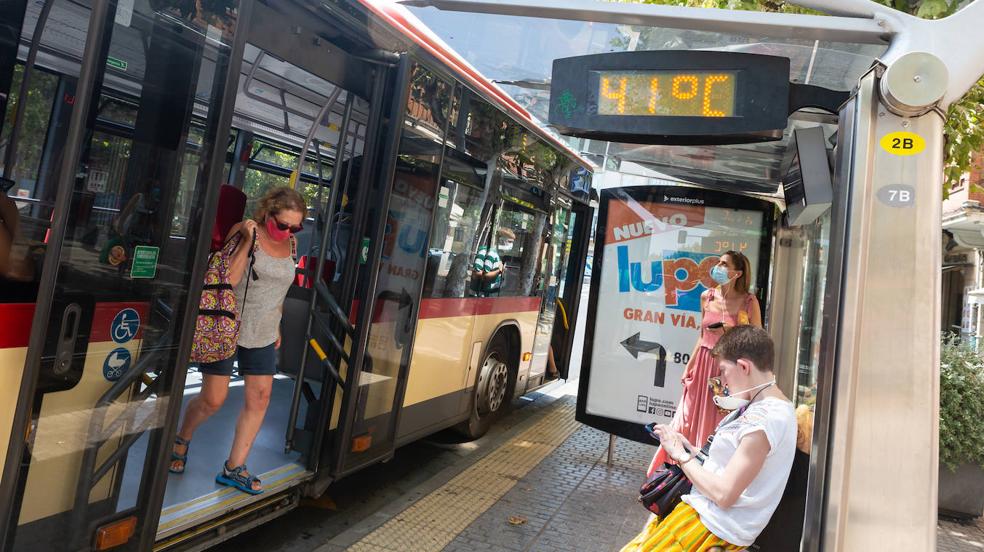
(671, 97)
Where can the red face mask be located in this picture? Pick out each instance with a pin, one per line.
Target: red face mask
(275, 233)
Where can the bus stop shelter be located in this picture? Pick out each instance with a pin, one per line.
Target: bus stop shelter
(877, 398)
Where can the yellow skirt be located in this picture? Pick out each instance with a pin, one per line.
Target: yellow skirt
(681, 531)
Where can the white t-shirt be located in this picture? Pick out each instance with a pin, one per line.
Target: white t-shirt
(741, 523)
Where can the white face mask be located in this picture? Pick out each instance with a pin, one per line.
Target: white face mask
(731, 402)
(506, 245)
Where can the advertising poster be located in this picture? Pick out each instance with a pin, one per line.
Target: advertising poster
(655, 247)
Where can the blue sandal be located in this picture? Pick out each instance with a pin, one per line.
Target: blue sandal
(183, 458)
(235, 478)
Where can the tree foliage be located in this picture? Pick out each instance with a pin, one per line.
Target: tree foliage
(36, 115)
(963, 130)
(961, 403)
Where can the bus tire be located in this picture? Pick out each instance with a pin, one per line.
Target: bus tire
(493, 392)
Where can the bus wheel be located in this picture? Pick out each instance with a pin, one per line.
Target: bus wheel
(493, 393)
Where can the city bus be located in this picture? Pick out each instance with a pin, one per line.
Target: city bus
(126, 122)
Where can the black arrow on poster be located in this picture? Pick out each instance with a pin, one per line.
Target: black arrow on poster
(635, 345)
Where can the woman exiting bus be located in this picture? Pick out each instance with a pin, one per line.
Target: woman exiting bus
(278, 217)
(729, 305)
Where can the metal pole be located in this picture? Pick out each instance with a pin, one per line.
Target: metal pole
(611, 449)
(836, 28)
(314, 128)
(319, 268)
(320, 182)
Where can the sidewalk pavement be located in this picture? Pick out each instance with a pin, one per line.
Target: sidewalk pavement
(954, 536)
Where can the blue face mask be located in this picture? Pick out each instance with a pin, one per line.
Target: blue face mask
(720, 275)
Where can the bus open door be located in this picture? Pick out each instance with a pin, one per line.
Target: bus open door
(576, 246)
(113, 237)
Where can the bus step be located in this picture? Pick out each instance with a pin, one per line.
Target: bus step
(213, 532)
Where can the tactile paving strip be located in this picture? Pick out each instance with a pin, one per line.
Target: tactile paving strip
(433, 521)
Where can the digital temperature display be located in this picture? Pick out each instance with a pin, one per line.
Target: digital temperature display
(667, 93)
(674, 97)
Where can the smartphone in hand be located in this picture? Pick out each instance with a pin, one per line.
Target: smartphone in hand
(651, 431)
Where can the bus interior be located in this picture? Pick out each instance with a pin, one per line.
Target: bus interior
(280, 108)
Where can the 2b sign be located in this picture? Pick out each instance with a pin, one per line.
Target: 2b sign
(903, 143)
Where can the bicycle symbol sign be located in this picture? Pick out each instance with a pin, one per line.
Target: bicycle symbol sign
(125, 325)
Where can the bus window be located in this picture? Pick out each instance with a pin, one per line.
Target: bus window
(267, 153)
(271, 165)
(454, 232)
(520, 255)
(117, 111)
(430, 104)
(257, 184)
(30, 144)
(459, 209)
(189, 177)
(24, 212)
(479, 131)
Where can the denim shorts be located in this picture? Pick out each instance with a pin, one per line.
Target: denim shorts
(251, 362)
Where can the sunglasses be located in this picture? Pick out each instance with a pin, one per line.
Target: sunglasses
(282, 227)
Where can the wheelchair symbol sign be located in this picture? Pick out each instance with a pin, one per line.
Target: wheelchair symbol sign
(116, 364)
(125, 325)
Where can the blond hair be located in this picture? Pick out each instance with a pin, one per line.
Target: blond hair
(506, 233)
(280, 199)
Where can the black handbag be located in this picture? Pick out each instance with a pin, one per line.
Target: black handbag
(662, 491)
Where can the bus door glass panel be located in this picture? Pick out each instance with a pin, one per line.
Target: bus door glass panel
(27, 198)
(553, 267)
(566, 239)
(400, 276)
(517, 236)
(571, 286)
(24, 223)
(123, 273)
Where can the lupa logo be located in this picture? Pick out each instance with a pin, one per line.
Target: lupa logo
(682, 276)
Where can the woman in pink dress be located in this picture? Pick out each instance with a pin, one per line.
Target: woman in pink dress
(730, 303)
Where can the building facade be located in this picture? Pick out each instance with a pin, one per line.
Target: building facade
(963, 255)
